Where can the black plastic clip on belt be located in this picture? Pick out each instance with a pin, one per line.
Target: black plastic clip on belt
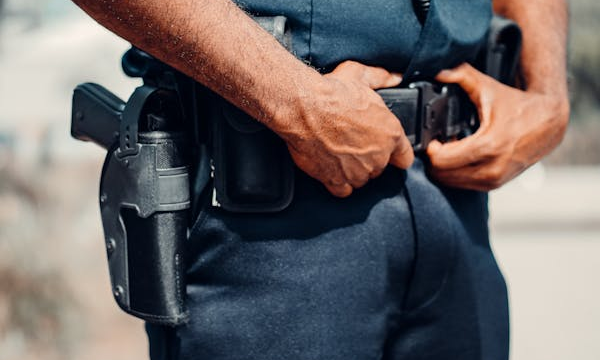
(430, 111)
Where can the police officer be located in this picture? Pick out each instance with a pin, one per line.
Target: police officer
(379, 255)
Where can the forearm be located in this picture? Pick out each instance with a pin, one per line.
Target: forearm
(336, 127)
(544, 25)
(517, 128)
(216, 43)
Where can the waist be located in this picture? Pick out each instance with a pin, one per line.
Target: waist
(324, 32)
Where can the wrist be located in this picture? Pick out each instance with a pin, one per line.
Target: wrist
(559, 97)
(290, 115)
(556, 89)
(563, 108)
(559, 106)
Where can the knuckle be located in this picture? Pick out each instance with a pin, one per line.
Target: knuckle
(461, 73)
(341, 191)
(494, 177)
(359, 178)
(343, 65)
(336, 181)
(349, 65)
(492, 186)
(375, 173)
(358, 183)
(435, 159)
(380, 161)
(378, 169)
(408, 160)
(492, 147)
(405, 157)
(469, 71)
(463, 68)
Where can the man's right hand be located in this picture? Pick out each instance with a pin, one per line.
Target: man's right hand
(337, 128)
(344, 134)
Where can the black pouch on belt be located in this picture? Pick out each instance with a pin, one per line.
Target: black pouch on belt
(252, 168)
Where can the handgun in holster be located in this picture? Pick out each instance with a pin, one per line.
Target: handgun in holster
(144, 193)
(154, 146)
(157, 164)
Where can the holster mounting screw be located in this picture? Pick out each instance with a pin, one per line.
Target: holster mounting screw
(110, 246)
(118, 292)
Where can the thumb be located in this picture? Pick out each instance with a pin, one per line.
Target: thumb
(379, 78)
(403, 155)
(467, 77)
(371, 76)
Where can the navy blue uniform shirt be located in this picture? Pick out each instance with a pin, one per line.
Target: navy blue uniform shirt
(382, 33)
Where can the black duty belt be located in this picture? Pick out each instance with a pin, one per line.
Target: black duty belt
(430, 111)
(426, 110)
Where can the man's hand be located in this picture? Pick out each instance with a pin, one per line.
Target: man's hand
(337, 128)
(517, 129)
(345, 134)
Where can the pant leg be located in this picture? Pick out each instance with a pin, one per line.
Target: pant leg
(491, 295)
(319, 280)
(369, 277)
(464, 315)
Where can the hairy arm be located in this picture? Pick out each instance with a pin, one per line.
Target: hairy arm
(517, 128)
(337, 128)
(214, 42)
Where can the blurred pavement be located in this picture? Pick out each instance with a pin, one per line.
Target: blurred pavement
(546, 236)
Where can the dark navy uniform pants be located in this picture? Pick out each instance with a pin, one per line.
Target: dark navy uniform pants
(402, 269)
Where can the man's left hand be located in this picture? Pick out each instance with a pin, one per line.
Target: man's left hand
(517, 128)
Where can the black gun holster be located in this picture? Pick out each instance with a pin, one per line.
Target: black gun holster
(144, 195)
(172, 127)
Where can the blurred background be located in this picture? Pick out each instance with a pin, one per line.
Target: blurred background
(55, 300)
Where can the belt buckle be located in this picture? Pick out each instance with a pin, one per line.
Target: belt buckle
(444, 113)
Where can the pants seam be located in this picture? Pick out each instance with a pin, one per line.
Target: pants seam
(413, 266)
